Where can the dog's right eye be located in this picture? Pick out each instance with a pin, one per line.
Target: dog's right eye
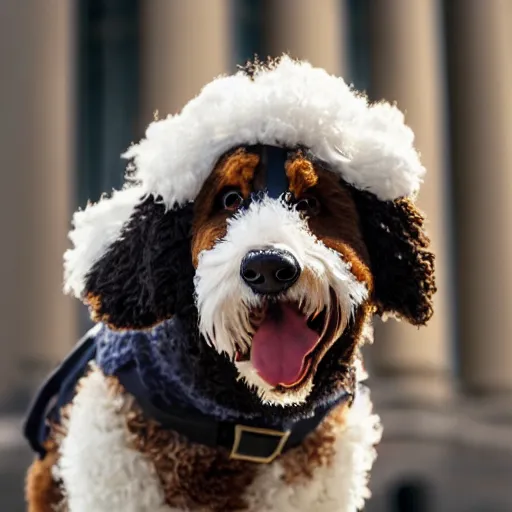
(232, 200)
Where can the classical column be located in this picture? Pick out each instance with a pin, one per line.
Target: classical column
(185, 44)
(406, 67)
(37, 131)
(313, 30)
(480, 66)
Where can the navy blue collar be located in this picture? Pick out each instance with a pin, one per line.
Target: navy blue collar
(130, 356)
(251, 441)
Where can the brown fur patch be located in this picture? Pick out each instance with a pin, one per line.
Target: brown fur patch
(301, 176)
(235, 170)
(317, 450)
(94, 303)
(196, 477)
(193, 477)
(337, 225)
(42, 492)
(401, 262)
(424, 259)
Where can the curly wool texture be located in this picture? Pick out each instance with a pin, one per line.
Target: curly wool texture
(402, 265)
(94, 229)
(153, 469)
(100, 469)
(145, 276)
(42, 492)
(194, 476)
(282, 102)
(288, 103)
(340, 483)
(178, 369)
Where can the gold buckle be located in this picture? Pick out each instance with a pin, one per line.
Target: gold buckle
(240, 429)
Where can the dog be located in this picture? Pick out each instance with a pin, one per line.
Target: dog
(233, 281)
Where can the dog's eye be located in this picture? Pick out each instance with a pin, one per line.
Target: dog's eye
(232, 200)
(308, 205)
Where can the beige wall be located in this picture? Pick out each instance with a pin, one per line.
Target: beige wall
(406, 68)
(314, 30)
(480, 65)
(37, 134)
(185, 44)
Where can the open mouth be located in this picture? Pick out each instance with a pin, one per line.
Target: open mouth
(287, 344)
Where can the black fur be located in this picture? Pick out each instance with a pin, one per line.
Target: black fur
(146, 276)
(402, 265)
(210, 378)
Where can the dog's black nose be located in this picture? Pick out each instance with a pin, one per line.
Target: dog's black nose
(269, 271)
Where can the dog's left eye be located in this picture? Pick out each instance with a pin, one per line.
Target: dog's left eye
(309, 205)
(232, 200)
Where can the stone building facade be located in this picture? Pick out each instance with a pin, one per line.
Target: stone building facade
(81, 79)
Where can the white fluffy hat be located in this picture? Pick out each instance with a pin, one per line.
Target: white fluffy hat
(290, 103)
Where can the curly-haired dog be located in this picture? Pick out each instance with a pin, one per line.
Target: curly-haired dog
(233, 281)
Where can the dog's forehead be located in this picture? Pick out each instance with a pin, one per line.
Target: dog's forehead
(264, 170)
(270, 175)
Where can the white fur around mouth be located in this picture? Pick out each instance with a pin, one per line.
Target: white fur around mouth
(228, 307)
(327, 323)
(314, 322)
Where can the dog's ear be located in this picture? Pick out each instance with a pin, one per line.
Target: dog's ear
(144, 274)
(402, 264)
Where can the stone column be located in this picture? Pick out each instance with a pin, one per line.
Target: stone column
(37, 131)
(480, 66)
(313, 30)
(185, 44)
(406, 67)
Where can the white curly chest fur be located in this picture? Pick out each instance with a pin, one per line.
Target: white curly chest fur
(101, 472)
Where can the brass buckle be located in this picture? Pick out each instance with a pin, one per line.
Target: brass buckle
(240, 429)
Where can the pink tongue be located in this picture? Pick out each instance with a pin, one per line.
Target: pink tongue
(281, 344)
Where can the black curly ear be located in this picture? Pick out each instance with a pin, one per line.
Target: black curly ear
(146, 275)
(402, 265)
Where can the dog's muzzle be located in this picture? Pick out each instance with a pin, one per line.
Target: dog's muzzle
(270, 271)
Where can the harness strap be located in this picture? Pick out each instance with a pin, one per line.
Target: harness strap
(57, 391)
(255, 442)
(251, 441)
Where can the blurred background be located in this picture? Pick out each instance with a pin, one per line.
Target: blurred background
(81, 79)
